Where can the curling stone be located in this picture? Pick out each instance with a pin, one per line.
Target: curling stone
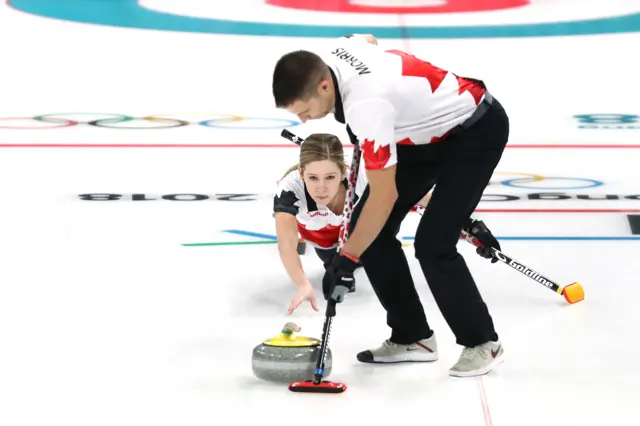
(287, 357)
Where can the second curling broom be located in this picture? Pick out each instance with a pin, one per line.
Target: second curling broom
(317, 384)
(572, 293)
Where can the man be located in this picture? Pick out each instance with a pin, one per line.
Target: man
(418, 126)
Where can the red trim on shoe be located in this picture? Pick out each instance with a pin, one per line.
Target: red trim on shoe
(495, 353)
(428, 349)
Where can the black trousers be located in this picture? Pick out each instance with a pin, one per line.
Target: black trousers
(325, 255)
(460, 167)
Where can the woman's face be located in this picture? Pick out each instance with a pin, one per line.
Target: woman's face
(323, 180)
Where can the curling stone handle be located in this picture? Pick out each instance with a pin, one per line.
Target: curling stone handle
(290, 327)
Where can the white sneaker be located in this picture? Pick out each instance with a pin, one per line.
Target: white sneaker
(478, 360)
(424, 350)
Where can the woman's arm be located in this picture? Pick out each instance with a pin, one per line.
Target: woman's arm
(287, 234)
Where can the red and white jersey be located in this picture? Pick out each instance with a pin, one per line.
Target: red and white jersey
(388, 98)
(317, 225)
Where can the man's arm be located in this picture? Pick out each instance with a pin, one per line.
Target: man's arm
(375, 211)
(373, 124)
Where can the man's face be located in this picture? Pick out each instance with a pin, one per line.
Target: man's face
(317, 106)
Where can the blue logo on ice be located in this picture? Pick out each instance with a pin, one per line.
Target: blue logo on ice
(608, 121)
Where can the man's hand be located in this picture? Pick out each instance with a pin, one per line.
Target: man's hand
(369, 38)
(479, 230)
(338, 278)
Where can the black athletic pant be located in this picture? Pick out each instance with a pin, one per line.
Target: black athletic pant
(460, 166)
(325, 254)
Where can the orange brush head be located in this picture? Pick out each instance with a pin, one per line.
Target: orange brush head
(573, 293)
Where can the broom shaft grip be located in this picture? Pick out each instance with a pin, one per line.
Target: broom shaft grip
(290, 136)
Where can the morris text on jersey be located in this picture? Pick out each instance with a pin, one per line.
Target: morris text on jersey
(360, 66)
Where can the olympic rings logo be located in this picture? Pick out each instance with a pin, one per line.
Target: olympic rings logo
(530, 181)
(149, 122)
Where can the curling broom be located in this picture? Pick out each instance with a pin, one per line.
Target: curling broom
(573, 293)
(317, 385)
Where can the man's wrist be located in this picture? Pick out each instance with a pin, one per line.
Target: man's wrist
(349, 256)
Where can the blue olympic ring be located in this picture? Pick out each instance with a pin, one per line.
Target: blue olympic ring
(592, 183)
(286, 123)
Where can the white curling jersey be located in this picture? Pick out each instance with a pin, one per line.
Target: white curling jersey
(317, 225)
(389, 98)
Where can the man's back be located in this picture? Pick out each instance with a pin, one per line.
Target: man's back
(424, 100)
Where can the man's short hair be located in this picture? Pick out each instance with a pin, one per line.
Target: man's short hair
(296, 76)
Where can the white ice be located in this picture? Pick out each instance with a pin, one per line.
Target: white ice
(106, 318)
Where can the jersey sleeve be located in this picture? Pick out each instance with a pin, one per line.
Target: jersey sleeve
(372, 121)
(290, 191)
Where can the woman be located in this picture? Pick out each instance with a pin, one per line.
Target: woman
(309, 203)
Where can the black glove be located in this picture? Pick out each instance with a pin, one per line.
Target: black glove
(338, 277)
(477, 229)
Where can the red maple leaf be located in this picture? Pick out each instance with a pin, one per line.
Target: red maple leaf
(414, 67)
(475, 89)
(375, 159)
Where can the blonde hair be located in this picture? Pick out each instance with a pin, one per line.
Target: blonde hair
(319, 147)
